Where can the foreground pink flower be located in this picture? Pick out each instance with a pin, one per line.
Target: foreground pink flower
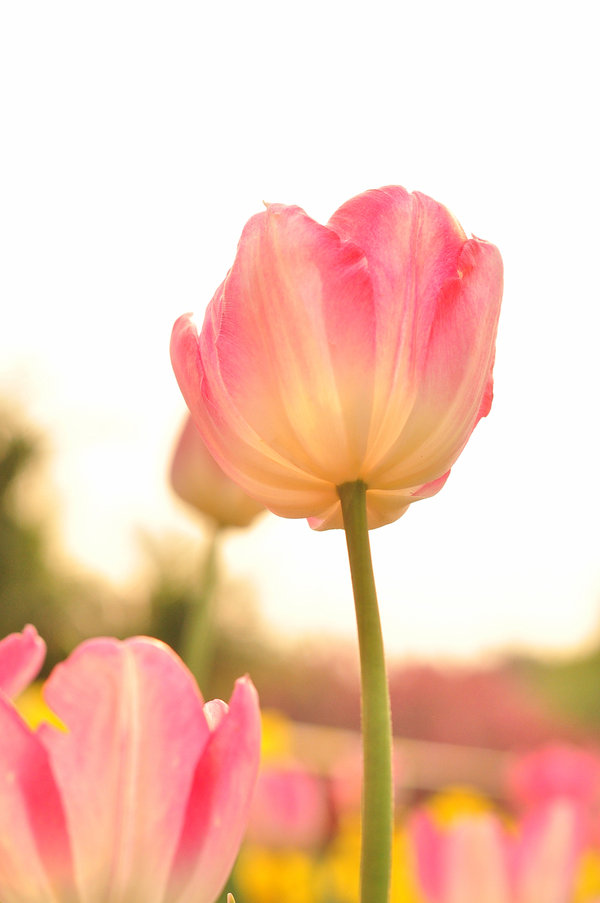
(200, 482)
(143, 798)
(360, 350)
(477, 860)
(21, 657)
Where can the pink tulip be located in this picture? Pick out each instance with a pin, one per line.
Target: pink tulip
(477, 860)
(143, 797)
(360, 350)
(290, 809)
(198, 480)
(553, 772)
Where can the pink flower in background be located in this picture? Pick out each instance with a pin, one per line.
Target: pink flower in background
(477, 860)
(359, 350)
(142, 798)
(553, 772)
(559, 771)
(346, 782)
(290, 809)
(198, 480)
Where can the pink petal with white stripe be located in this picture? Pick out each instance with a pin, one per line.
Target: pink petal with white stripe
(135, 733)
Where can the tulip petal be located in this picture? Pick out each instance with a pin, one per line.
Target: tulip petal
(455, 382)
(219, 801)
(293, 322)
(280, 486)
(21, 657)
(549, 847)
(464, 863)
(35, 858)
(297, 321)
(428, 845)
(412, 245)
(136, 730)
(476, 862)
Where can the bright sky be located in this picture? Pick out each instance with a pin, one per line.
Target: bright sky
(139, 138)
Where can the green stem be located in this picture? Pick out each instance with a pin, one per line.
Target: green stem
(377, 794)
(198, 629)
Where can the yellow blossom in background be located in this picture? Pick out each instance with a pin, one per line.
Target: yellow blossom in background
(404, 888)
(341, 867)
(342, 863)
(587, 889)
(276, 736)
(456, 802)
(276, 876)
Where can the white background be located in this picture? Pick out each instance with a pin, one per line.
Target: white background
(137, 140)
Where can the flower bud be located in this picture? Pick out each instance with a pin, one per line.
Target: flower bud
(198, 480)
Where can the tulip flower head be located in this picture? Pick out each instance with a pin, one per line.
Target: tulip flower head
(200, 482)
(142, 797)
(290, 809)
(357, 351)
(554, 772)
(476, 860)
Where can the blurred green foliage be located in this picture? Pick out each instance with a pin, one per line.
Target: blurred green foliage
(35, 586)
(30, 588)
(571, 687)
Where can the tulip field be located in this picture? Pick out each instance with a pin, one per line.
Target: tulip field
(535, 840)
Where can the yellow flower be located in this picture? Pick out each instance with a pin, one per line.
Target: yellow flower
(456, 802)
(282, 876)
(588, 880)
(276, 736)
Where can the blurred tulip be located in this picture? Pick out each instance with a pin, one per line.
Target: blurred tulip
(476, 860)
(200, 482)
(289, 809)
(346, 783)
(553, 772)
(357, 351)
(559, 771)
(145, 795)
